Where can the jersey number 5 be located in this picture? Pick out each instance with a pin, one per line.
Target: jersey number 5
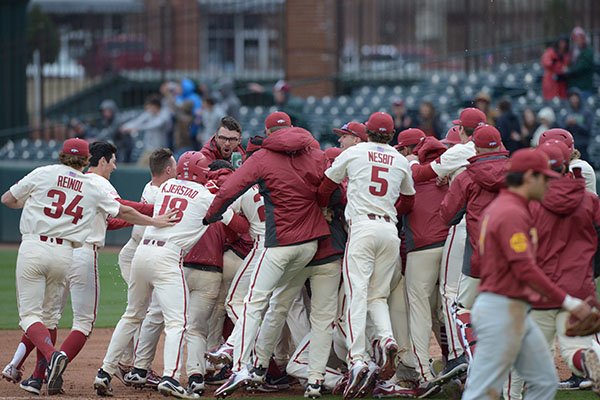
(174, 203)
(381, 188)
(57, 210)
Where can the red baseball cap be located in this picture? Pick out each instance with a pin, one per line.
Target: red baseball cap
(452, 136)
(381, 122)
(559, 134)
(353, 128)
(470, 118)
(278, 119)
(332, 152)
(536, 160)
(557, 152)
(410, 137)
(76, 147)
(487, 137)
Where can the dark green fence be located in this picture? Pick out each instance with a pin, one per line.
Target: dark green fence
(129, 182)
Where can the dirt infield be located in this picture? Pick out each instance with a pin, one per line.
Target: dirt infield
(80, 373)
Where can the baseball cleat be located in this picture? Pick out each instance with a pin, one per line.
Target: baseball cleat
(152, 380)
(257, 376)
(170, 387)
(102, 384)
(369, 380)
(137, 378)
(220, 377)
(591, 364)
(313, 390)
(355, 377)
(271, 385)
(12, 374)
(572, 383)
(427, 389)
(236, 381)
(389, 354)
(341, 385)
(390, 388)
(196, 384)
(56, 367)
(122, 370)
(222, 356)
(32, 385)
(453, 368)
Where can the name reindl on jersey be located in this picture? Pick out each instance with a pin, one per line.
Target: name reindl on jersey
(381, 158)
(69, 183)
(180, 190)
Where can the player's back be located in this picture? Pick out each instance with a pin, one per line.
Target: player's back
(148, 197)
(61, 202)
(376, 173)
(192, 200)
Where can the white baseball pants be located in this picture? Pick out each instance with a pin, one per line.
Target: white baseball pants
(298, 367)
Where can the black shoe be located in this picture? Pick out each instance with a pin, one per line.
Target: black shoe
(220, 377)
(56, 367)
(102, 383)
(32, 385)
(196, 384)
(451, 369)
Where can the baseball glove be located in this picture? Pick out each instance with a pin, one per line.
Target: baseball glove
(588, 325)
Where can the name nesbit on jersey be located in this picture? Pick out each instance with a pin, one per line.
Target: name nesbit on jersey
(381, 158)
(180, 190)
(69, 183)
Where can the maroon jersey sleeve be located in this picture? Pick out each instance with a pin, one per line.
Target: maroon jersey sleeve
(422, 173)
(455, 201)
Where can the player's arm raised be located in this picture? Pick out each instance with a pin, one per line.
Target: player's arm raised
(131, 215)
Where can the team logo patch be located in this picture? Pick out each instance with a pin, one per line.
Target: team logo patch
(518, 242)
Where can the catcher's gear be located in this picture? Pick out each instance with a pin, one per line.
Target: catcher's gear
(588, 325)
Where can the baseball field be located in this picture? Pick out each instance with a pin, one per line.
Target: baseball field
(80, 373)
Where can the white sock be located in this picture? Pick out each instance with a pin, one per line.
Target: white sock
(19, 354)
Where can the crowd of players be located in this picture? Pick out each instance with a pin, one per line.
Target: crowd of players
(335, 268)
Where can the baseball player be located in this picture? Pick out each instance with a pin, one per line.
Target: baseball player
(59, 207)
(377, 176)
(163, 250)
(288, 169)
(350, 134)
(509, 278)
(587, 171)
(162, 168)
(425, 234)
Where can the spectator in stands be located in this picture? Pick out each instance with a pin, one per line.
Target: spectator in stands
(429, 121)
(508, 125)
(189, 93)
(402, 120)
(554, 61)
(285, 101)
(547, 119)
(154, 124)
(580, 74)
(230, 103)
(529, 125)
(578, 121)
(182, 137)
(483, 101)
(211, 120)
(107, 129)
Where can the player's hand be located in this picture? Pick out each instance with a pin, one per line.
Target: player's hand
(167, 219)
(441, 181)
(412, 157)
(582, 310)
(328, 214)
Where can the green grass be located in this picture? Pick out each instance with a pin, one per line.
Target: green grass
(113, 292)
(113, 296)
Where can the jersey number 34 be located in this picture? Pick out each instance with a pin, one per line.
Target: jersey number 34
(57, 208)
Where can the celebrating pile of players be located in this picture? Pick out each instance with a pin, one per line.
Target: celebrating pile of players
(335, 270)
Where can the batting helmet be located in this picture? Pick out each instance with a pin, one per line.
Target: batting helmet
(562, 135)
(193, 166)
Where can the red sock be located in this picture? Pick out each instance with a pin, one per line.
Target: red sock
(41, 362)
(578, 360)
(40, 337)
(29, 346)
(73, 344)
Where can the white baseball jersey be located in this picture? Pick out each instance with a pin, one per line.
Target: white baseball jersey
(454, 160)
(251, 204)
(377, 175)
(61, 202)
(148, 197)
(192, 200)
(587, 171)
(98, 234)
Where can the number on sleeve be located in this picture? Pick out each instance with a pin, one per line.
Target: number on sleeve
(261, 210)
(57, 210)
(174, 203)
(382, 189)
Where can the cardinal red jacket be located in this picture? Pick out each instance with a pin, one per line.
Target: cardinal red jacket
(471, 192)
(211, 151)
(566, 222)
(208, 251)
(288, 170)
